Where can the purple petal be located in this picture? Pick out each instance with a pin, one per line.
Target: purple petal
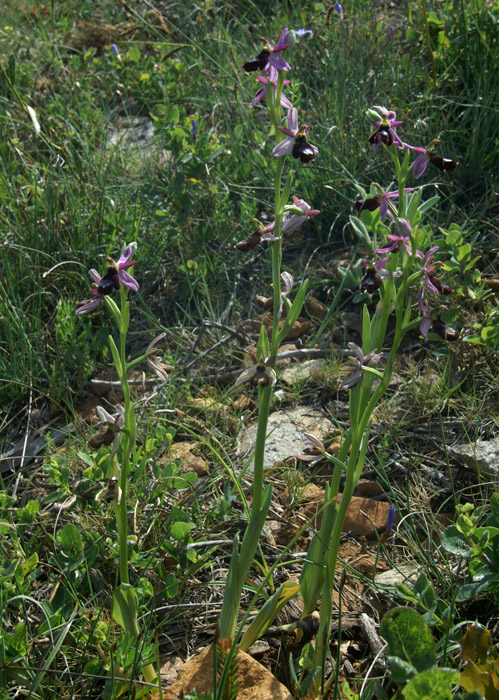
(383, 208)
(282, 38)
(278, 62)
(293, 223)
(128, 281)
(286, 131)
(357, 351)
(260, 95)
(285, 102)
(419, 165)
(424, 327)
(430, 284)
(293, 119)
(126, 255)
(283, 148)
(89, 305)
(351, 380)
(379, 264)
(429, 255)
(95, 276)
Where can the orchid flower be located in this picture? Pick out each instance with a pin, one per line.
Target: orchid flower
(159, 368)
(261, 374)
(296, 142)
(385, 120)
(380, 200)
(371, 281)
(296, 220)
(313, 449)
(425, 324)
(426, 155)
(358, 361)
(262, 93)
(262, 233)
(433, 283)
(116, 274)
(114, 422)
(399, 240)
(270, 56)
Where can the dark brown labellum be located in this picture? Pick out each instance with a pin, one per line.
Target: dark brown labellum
(303, 150)
(445, 165)
(109, 282)
(442, 288)
(383, 135)
(103, 437)
(371, 204)
(249, 243)
(443, 330)
(257, 63)
(370, 282)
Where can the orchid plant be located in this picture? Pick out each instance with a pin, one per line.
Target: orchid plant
(288, 218)
(121, 432)
(401, 274)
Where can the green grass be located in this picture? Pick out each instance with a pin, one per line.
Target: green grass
(68, 200)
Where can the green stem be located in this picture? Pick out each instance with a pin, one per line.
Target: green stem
(264, 398)
(128, 441)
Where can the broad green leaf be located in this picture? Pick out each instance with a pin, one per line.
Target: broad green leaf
(69, 540)
(125, 606)
(409, 638)
(471, 590)
(455, 542)
(180, 529)
(434, 684)
(19, 640)
(401, 671)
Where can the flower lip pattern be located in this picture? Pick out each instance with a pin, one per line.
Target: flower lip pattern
(444, 331)
(385, 122)
(296, 142)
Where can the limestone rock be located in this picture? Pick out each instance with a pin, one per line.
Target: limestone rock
(191, 460)
(299, 371)
(483, 456)
(255, 681)
(285, 434)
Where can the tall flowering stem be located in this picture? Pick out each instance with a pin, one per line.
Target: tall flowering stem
(125, 599)
(402, 271)
(286, 219)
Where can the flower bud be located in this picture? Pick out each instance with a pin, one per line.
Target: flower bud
(291, 38)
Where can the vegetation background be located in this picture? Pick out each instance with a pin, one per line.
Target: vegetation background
(76, 183)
